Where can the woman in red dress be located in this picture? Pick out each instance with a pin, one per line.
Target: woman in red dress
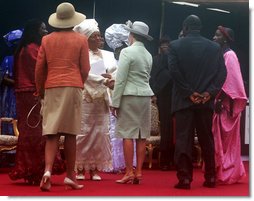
(30, 161)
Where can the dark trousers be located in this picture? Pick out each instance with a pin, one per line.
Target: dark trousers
(186, 121)
(166, 126)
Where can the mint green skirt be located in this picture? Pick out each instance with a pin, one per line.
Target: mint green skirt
(134, 118)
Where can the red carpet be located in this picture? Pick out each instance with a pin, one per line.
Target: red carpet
(154, 183)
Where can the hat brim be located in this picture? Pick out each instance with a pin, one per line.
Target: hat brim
(76, 19)
(139, 33)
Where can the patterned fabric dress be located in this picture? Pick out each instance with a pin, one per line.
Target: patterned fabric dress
(29, 163)
(7, 96)
(117, 148)
(93, 144)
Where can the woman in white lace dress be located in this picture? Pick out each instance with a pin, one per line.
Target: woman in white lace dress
(93, 152)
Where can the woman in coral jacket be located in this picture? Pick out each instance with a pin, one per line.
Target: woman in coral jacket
(61, 70)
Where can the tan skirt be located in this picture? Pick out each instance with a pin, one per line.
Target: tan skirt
(61, 111)
(134, 118)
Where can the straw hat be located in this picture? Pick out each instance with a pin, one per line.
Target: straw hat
(139, 28)
(65, 16)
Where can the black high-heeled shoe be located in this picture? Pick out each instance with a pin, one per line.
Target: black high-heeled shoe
(45, 184)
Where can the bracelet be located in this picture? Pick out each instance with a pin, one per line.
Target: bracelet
(105, 82)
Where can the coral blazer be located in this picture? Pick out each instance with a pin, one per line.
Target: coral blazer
(63, 60)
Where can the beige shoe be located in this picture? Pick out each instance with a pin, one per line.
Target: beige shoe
(45, 184)
(80, 177)
(71, 184)
(95, 177)
(127, 178)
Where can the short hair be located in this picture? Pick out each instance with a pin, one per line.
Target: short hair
(164, 39)
(192, 22)
(139, 38)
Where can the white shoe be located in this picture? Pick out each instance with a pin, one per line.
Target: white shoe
(45, 184)
(71, 184)
(95, 177)
(80, 177)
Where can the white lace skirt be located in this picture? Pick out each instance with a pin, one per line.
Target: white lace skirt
(93, 144)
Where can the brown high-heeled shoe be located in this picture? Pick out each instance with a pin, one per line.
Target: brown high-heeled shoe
(137, 179)
(127, 178)
(45, 184)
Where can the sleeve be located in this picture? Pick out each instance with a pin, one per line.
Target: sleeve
(40, 71)
(32, 53)
(176, 75)
(219, 77)
(152, 80)
(84, 61)
(121, 78)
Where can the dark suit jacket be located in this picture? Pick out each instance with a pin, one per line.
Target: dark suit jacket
(196, 64)
(160, 76)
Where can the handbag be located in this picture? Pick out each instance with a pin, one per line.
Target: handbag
(29, 114)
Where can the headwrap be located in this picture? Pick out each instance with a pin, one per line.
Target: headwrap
(12, 37)
(116, 35)
(87, 27)
(227, 32)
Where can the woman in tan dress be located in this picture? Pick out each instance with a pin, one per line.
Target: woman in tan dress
(61, 70)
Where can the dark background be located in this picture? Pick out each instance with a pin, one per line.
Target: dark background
(163, 18)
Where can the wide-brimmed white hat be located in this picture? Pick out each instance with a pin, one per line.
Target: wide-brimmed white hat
(139, 28)
(65, 16)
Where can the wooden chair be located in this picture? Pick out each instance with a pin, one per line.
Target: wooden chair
(8, 142)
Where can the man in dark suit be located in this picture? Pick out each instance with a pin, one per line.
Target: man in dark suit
(198, 71)
(161, 84)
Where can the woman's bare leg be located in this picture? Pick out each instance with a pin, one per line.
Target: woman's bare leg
(51, 148)
(140, 152)
(128, 148)
(70, 155)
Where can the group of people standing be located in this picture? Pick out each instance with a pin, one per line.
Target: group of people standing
(204, 82)
(78, 84)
